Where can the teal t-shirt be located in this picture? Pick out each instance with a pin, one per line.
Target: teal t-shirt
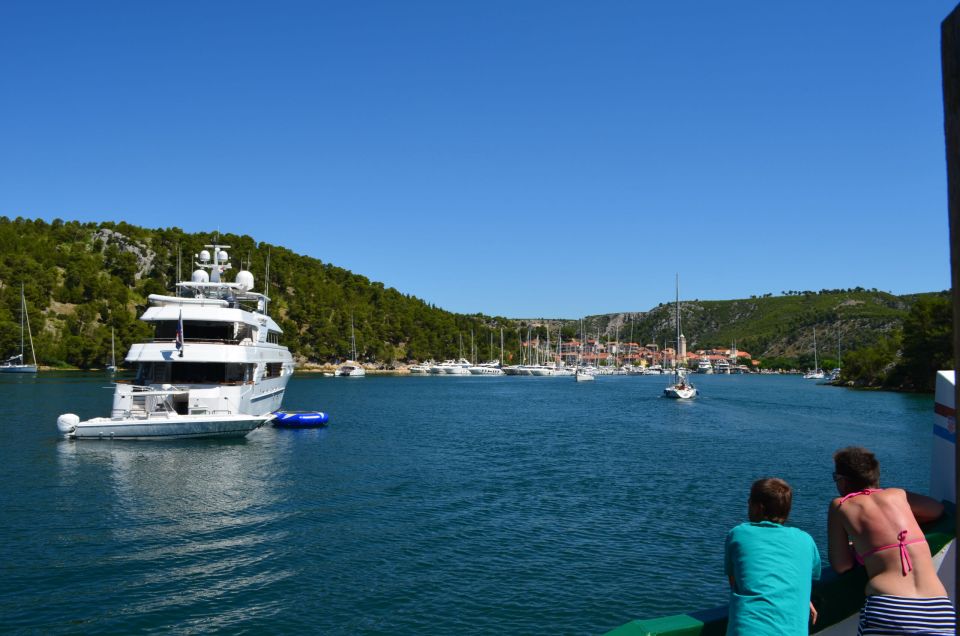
(773, 567)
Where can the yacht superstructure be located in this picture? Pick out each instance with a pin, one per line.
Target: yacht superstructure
(215, 367)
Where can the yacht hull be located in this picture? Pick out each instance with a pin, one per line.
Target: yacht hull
(169, 427)
(19, 368)
(679, 394)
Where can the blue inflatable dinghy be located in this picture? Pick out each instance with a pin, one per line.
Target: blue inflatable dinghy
(300, 419)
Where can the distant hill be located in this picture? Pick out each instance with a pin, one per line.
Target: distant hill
(780, 326)
(769, 327)
(81, 279)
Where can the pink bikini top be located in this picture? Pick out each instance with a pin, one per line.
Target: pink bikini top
(905, 563)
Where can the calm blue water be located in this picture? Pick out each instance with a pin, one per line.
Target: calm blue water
(430, 505)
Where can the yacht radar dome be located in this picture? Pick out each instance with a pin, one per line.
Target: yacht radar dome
(222, 256)
(204, 256)
(200, 276)
(244, 280)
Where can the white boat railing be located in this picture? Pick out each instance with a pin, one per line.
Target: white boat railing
(146, 402)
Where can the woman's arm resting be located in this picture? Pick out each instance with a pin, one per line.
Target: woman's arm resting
(924, 508)
(838, 544)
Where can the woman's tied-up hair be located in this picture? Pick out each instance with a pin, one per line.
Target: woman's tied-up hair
(858, 466)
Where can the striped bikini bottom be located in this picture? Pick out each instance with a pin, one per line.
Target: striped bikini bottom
(904, 615)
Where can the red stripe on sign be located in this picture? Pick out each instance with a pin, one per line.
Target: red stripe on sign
(943, 410)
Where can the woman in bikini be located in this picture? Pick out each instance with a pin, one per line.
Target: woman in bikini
(879, 528)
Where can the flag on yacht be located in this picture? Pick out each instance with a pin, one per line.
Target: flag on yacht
(179, 340)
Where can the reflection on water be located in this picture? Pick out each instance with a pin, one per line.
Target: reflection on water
(190, 523)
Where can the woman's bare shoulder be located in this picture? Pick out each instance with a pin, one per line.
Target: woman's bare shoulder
(898, 493)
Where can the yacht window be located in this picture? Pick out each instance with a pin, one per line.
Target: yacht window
(152, 373)
(234, 372)
(274, 369)
(196, 330)
(199, 372)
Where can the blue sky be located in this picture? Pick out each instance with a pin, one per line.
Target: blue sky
(512, 158)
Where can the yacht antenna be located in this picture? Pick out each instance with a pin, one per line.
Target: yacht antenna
(266, 284)
(178, 267)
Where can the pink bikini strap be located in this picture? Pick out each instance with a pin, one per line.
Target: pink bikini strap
(865, 491)
(905, 564)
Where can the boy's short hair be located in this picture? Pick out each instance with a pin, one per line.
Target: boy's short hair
(773, 498)
(858, 466)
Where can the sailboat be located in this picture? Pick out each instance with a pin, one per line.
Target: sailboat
(834, 374)
(112, 367)
(582, 374)
(681, 388)
(15, 364)
(816, 373)
(351, 368)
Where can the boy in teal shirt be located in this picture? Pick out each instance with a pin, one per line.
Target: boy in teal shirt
(771, 567)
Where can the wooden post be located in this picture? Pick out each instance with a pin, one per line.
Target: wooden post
(950, 69)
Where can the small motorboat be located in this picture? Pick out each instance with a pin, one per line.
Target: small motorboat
(300, 419)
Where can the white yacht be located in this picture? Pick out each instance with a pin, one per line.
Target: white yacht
(214, 369)
(438, 367)
(420, 369)
(585, 374)
(704, 366)
(487, 368)
(350, 369)
(723, 367)
(458, 367)
(17, 364)
(541, 370)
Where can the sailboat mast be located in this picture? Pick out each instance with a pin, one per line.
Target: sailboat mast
(676, 352)
(353, 341)
(816, 365)
(23, 310)
(25, 317)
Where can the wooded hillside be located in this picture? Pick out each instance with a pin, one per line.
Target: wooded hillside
(81, 279)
